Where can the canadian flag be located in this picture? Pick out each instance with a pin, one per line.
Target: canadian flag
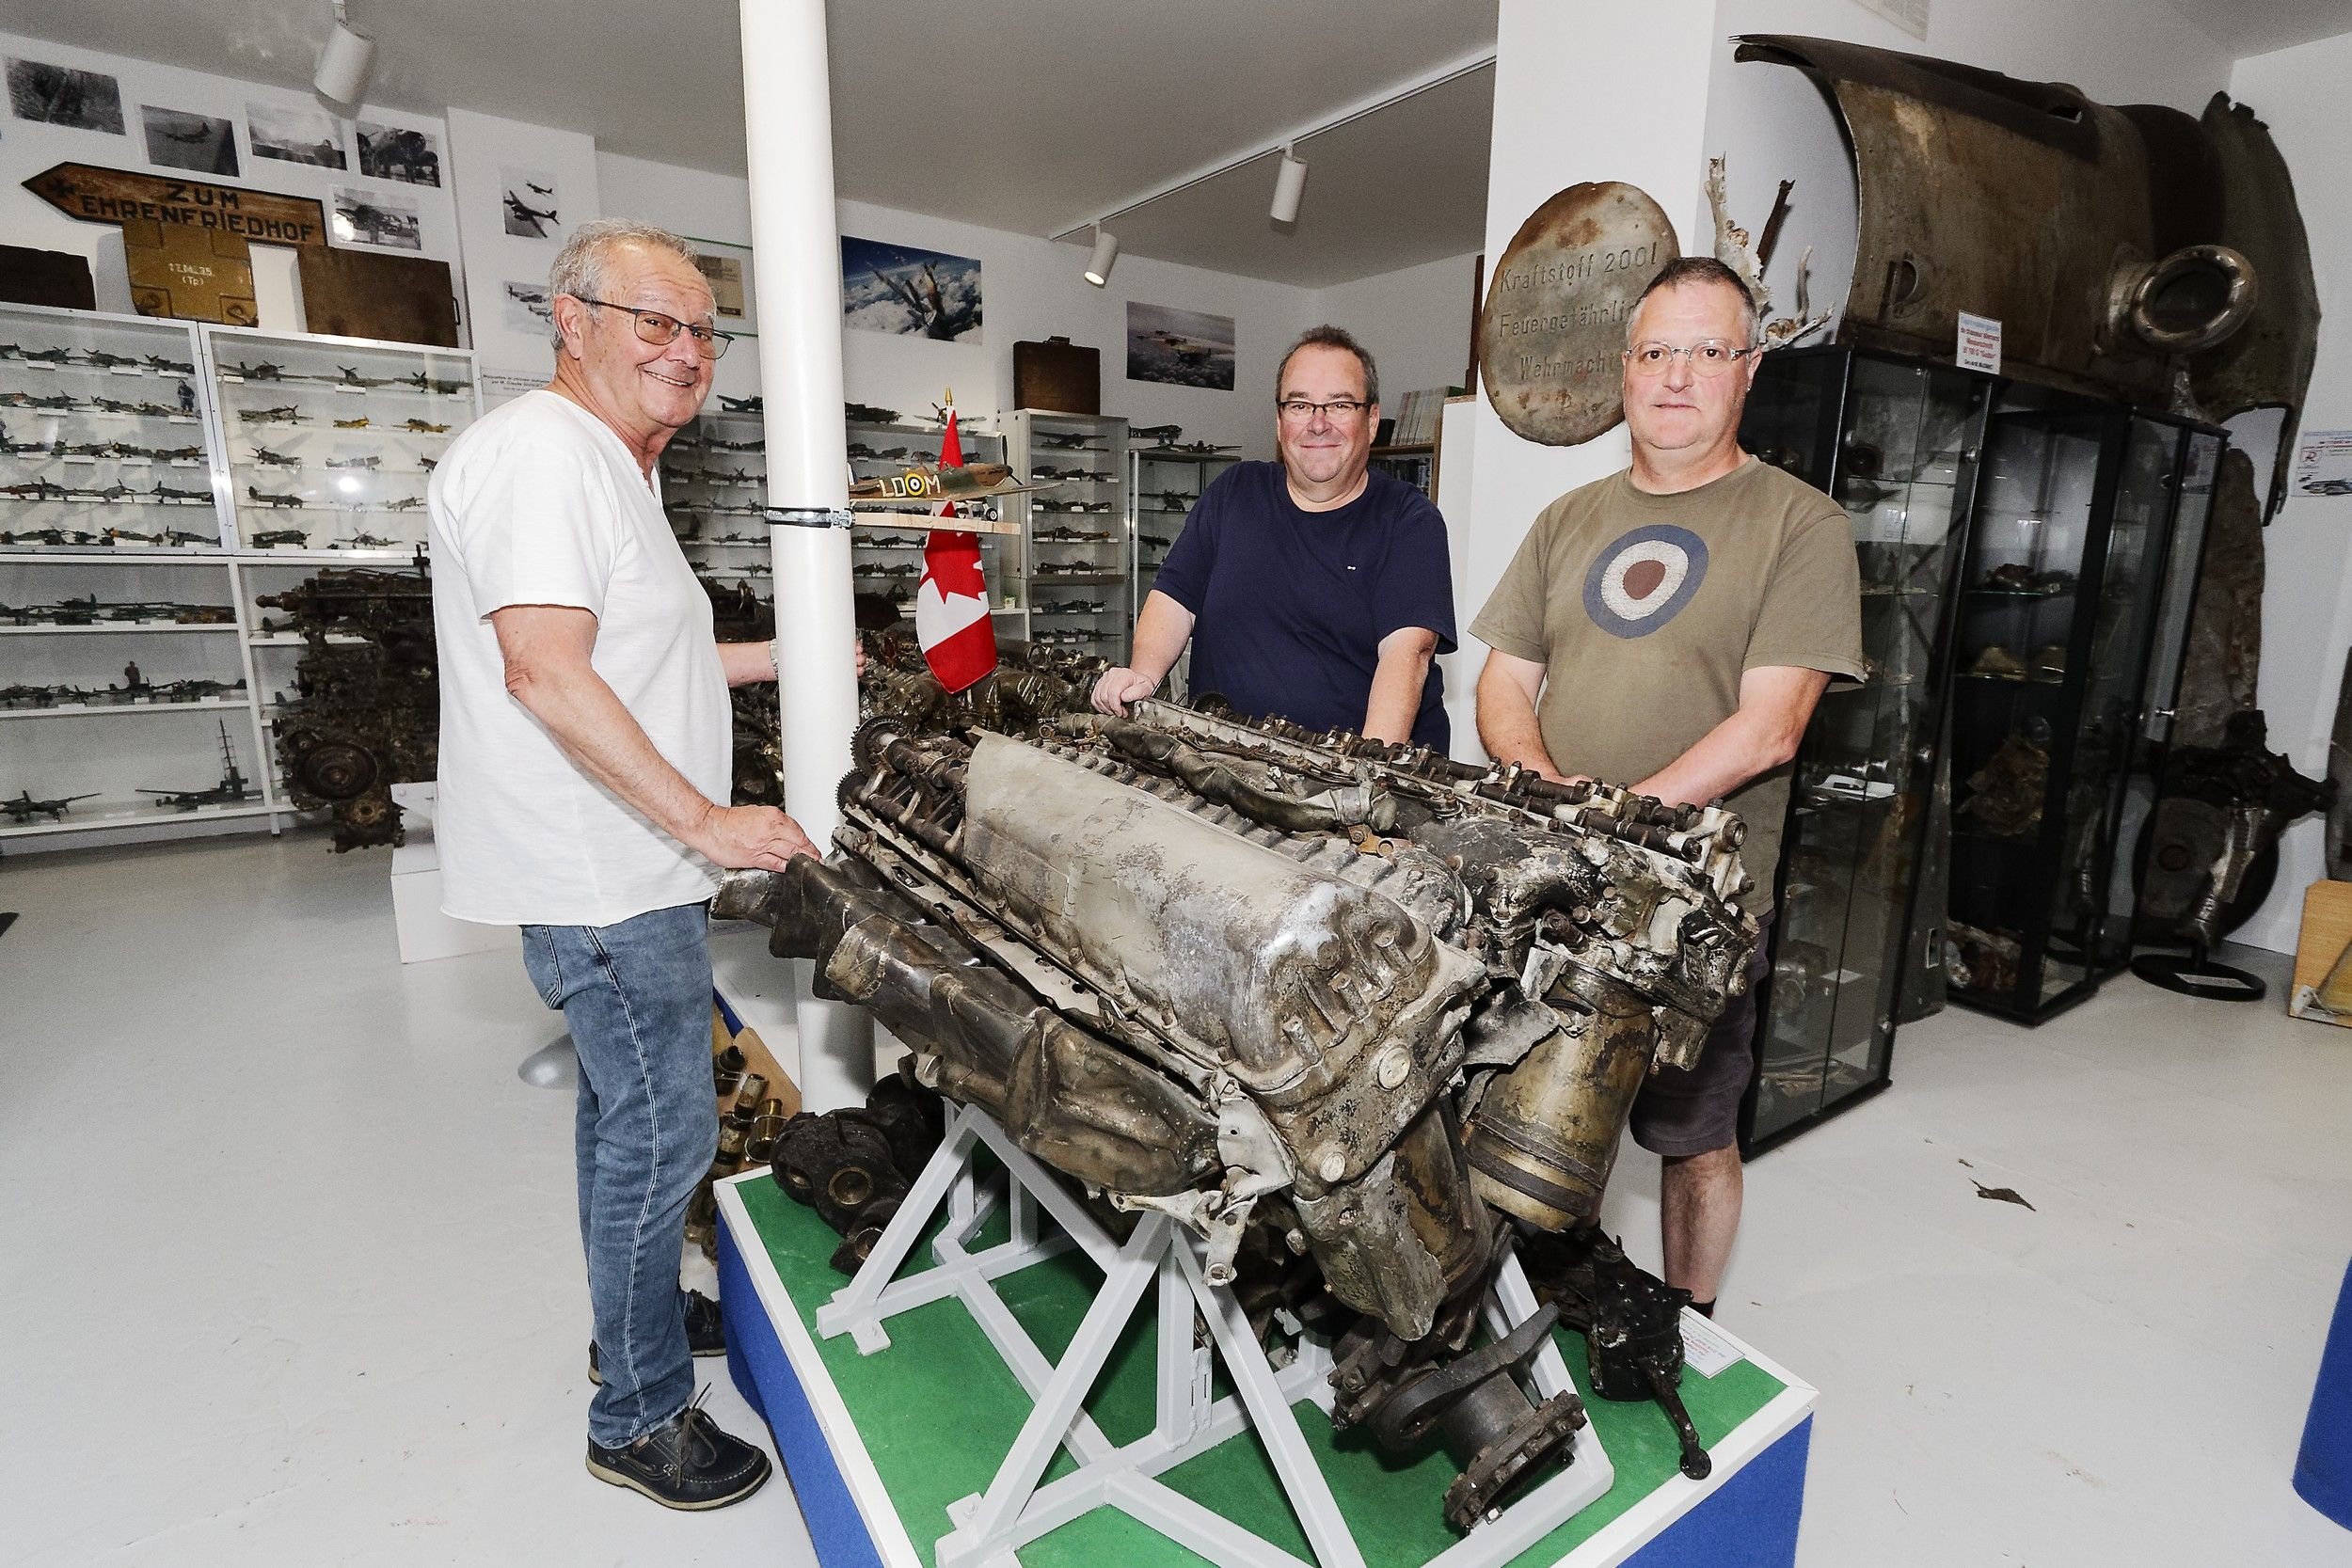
(951, 619)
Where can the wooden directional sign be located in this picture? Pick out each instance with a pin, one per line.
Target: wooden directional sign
(184, 241)
(1552, 328)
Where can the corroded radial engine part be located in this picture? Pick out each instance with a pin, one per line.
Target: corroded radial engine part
(1324, 1000)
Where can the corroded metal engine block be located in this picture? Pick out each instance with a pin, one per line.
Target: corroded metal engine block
(1346, 1010)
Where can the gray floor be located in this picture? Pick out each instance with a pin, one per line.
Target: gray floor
(291, 1272)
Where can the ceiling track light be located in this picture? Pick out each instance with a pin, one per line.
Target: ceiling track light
(1290, 184)
(345, 61)
(1104, 256)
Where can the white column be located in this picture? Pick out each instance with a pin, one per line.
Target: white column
(797, 279)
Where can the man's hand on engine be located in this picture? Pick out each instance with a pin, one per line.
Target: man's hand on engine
(1119, 686)
(741, 837)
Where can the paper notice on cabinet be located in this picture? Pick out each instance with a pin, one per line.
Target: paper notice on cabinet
(2323, 463)
(1979, 347)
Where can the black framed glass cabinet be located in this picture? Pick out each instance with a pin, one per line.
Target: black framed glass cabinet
(2077, 594)
(1896, 442)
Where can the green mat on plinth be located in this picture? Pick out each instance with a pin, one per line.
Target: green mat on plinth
(938, 1410)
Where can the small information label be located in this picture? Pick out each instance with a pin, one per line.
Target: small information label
(2323, 463)
(1979, 344)
(1705, 1349)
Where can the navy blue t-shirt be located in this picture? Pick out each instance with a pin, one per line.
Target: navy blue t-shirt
(1290, 606)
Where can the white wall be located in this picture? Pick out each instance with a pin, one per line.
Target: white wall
(1030, 289)
(1416, 322)
(492, 156)
(29, 147)
(2307, 605)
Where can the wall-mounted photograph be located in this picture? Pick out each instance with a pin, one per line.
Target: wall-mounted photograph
(178, 139)
(728, 270)
(907, 290)
(528, 310)
(60, 95)
(530, 204)
(295, 134)
(1182, 348)
(399, 152)
(374, 217)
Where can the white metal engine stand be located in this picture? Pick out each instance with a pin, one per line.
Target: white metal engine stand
(991, 1528)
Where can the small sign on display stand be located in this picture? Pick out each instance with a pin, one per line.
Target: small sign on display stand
(1979, 347)
(2323, 463)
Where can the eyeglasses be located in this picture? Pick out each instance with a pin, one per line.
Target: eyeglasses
(1300, 411)
(654, 327)
(1710, 358)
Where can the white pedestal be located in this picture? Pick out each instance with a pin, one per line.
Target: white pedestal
(425, 931)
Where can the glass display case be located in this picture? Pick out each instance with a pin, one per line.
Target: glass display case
(2080, 536)
(1078, 543)
(1164, 480)
(714, 485)
(104, 443)
(329, 441)
(888, 562)
(1896, 442)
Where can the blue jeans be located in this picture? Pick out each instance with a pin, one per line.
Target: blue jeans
(637, 996)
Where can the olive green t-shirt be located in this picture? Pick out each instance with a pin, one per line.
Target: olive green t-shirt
(1645, 611)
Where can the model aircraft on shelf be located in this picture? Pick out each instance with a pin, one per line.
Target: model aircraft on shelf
(1068, 440)
(1156, 434)
(1083, 476)
(717, 445)
(902, 569)
(1071, 606)
(231, 789)
(46, 356)
(359, 424)
(1075, 506)
(1066, 535)
(892, 541)
(363, 542)
(419, 427)
(25, 808)
(288, 413)
(753, 404)
(43, 696)
(72, 538)
(1202, 448)
(867, 413)
(33, 490)
(861, 452)
(177, 455)
(273, 538)
(348, 375)
(423, 383)
(143, 410)
(1155, 541)
(406, 503)
(162, 366)
(371, 461)
(263, 372)
(166, 493)
(27, 399)
(275, 459)
(284, 500)
(1072, 568)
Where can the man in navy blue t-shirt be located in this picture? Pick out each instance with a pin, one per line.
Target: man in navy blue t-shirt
(1310, 588)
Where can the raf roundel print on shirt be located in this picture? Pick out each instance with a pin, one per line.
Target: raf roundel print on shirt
(1644, 580)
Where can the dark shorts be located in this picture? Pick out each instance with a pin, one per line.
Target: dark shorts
(1695, 1110)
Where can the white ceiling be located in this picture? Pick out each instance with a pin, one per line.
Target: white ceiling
(2247, 27)
(1022, 114)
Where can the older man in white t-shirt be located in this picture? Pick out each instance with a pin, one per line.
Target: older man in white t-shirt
(584, 766)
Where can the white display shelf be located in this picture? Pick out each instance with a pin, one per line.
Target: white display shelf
(78, 820)
(112, 628)
(114, 710)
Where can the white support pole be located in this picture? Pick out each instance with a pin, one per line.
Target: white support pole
(795, 236)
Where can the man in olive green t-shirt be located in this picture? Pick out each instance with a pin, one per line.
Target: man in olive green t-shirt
(1671, 627)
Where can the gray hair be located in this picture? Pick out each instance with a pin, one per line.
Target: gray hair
(580, 266)
(1327, 336)
(1697, 269)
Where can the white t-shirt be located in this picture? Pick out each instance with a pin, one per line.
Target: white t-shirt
(540, 503)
